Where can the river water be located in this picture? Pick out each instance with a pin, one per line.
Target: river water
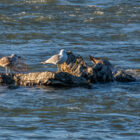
(37, 29)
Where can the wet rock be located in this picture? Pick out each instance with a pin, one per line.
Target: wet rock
(102, 73)
(121, 76)
(43, 78)
(105, 72)
(75, 65)
(6, 78)
(69, 80)
(12, 86)
(102, 70)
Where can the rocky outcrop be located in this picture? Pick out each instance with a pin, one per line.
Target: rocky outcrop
(43, 78)
(102, 71)
(75, 72)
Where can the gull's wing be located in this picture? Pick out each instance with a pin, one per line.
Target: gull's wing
(53, 60)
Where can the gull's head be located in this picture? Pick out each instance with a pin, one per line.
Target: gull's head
(62, 51)
(15, 57)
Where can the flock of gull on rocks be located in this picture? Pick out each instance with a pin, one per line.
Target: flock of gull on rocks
(71, 69)
(12, 62)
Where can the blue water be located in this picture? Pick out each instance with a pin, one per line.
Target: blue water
(37, 29)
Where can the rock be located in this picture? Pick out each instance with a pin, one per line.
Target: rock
(105, 72)
(6, 79)
(75, 65)
(70, 80)
(102, 70)
(102, 73)
(121, 76)
(43, 78)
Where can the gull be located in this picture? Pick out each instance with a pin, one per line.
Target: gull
(57, 59)
(8, 62)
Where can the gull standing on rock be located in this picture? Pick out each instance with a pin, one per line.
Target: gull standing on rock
(57, 59)
(8, 62)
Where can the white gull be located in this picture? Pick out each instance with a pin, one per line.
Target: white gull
(57, 59)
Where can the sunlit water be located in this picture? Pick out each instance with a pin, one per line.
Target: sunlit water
(37, 29)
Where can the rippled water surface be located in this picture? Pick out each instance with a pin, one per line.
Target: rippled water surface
(37, 29)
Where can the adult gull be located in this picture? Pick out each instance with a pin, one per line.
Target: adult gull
(57, 59)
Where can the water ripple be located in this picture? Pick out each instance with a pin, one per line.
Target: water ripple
(37, 29)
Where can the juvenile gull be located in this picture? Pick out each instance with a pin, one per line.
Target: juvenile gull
(57, 58)
(8, 62)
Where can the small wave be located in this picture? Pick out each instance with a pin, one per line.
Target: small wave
(89, 20)
(74, 108)
(72, 15)
(39, 1)
(20, 14)
(98, 13)
(44, 18)
(91, 6)
(5, 18)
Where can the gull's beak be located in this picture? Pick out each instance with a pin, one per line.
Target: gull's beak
(69, 52)
(43, 62)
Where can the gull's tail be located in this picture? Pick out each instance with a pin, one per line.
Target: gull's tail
(43, 62)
